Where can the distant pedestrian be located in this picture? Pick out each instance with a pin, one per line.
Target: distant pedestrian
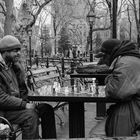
(36, 60)
(74, 53)
(84, 54)
(71, 54)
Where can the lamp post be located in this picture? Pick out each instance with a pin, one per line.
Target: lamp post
(29, 31)
(114, 22)
(91, 21)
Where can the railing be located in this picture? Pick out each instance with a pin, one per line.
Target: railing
(65, 64)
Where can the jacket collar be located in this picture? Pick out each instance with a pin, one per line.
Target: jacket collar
(2, 62)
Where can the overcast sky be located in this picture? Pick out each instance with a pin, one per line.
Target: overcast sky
(17, 3)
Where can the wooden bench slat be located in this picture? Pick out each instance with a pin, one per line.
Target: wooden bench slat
(40, 76)
(45, 70)
(46, 77)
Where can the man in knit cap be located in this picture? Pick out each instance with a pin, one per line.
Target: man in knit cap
(123, 85)
(13, 94)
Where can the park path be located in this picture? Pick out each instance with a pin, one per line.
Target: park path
(92, 126)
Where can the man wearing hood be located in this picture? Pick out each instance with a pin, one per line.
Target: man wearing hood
(123, 84)
(14, 104)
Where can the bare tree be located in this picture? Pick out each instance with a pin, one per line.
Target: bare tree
(135, 9)
(7, 11)
(61, 17)
(130, 23)
(34, 10)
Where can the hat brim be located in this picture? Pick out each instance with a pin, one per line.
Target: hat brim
(100, 54)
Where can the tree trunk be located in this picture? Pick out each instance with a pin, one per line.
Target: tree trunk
(137, 21)
(112, 5)
(9, 17)
(114, 25)
(55, 34)
(130, 23)
(110, 14)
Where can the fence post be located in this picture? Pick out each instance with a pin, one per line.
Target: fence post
(72, 66)
(47, 62)
(63, 67)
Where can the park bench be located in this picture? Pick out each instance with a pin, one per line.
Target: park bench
(44, 70)
(45, 73)
(38, 78)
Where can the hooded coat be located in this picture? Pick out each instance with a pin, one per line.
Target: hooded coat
(123, 84)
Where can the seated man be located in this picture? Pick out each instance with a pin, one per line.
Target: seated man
(13, 95)
(123, 84)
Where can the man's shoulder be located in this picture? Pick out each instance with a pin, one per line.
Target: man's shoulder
(129, 59)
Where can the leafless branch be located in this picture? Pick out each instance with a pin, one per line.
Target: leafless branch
(40, 7)
(121, 5)
(101, 29)
(130, 2)
(129, 19)
(3, 9)
(37, 13)
(37, 3)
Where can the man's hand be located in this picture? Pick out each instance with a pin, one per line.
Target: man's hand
(30, 106)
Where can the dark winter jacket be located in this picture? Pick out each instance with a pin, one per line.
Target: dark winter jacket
(13, 90)
(124, 85)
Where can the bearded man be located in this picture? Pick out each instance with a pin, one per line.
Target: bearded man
(14, 105)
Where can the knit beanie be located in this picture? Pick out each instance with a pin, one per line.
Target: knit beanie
(8, 43)
(108, 46)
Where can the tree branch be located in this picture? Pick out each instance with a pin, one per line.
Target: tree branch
(37, 13)
(4, 11)
(37, 3)
(101, 29)
(31, 23)
(40, 8)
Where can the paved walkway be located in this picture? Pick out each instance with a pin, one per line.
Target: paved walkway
(93, 127)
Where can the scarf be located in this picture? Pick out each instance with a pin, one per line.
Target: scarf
(126, 48)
